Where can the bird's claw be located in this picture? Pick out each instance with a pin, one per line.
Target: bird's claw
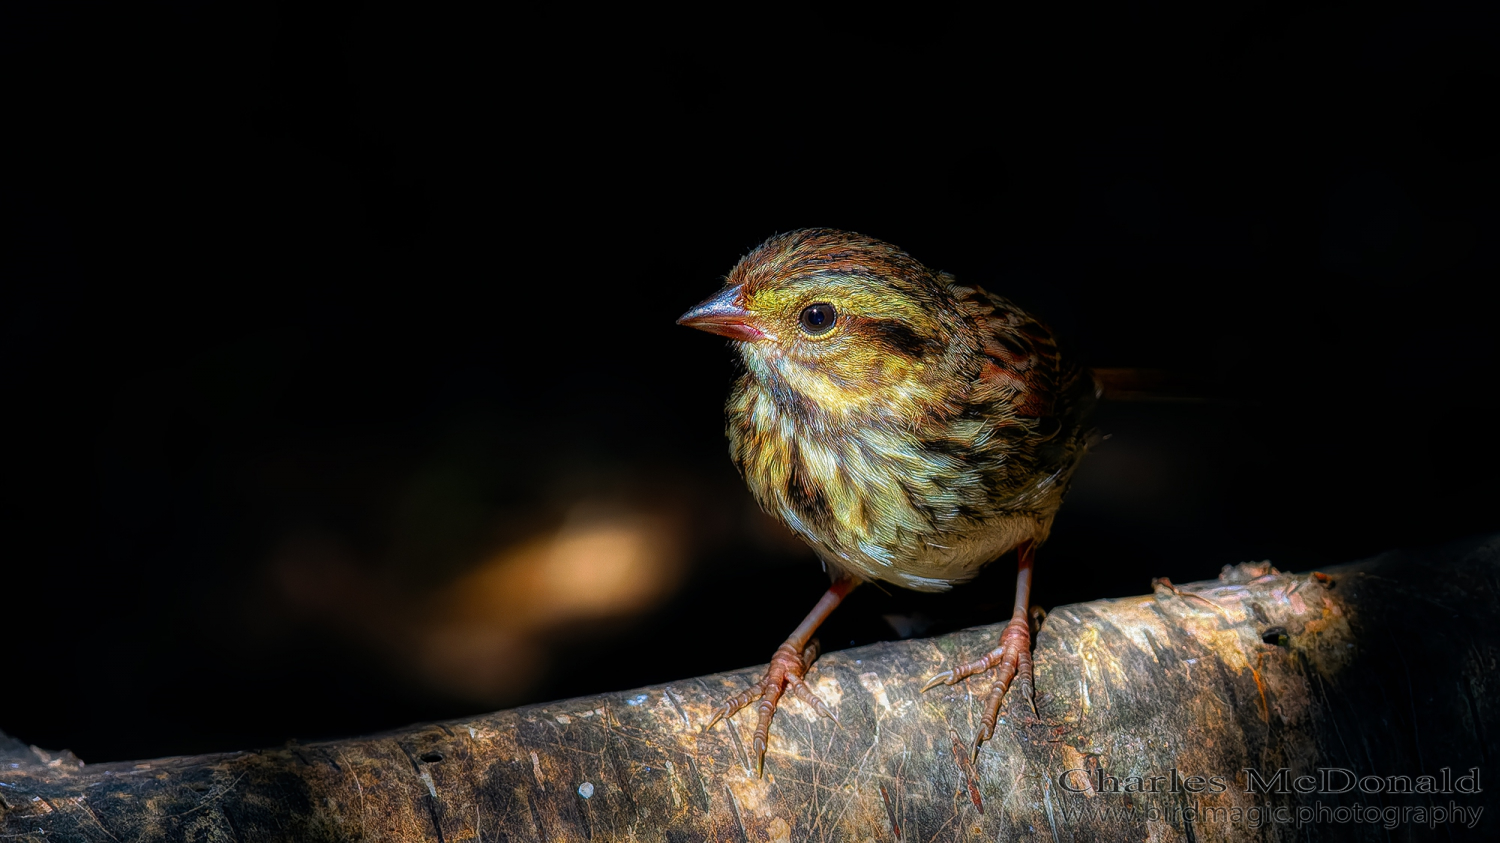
(1012, 664)
(785, 671)
(947, 677)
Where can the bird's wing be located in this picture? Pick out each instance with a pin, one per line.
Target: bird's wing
(1022, 363)
(1035, 393)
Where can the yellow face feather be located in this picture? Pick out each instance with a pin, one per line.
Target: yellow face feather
(880, 357)
(840, 371)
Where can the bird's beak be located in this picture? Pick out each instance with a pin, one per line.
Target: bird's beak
(725, 315)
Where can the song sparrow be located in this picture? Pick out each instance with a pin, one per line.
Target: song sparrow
(909, 429)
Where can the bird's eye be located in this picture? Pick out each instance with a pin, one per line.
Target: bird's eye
(818, 318)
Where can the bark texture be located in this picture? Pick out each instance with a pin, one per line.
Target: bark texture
(1383, 668)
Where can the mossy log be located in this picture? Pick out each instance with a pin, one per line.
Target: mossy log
(1381, 668)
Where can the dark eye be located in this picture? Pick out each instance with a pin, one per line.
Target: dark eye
(818, 318)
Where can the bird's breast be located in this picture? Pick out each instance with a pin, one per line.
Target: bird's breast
(876, 501)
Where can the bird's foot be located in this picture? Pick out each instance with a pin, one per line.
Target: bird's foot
(787, 669)
(1011, 662)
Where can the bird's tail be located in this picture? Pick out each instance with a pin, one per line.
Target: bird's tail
(1151, 385)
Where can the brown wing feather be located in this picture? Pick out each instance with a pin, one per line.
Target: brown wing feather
(1021, 358)
(1025, 382)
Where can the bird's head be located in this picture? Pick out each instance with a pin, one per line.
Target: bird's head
(843, 324)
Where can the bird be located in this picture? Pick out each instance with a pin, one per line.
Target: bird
(908, 428)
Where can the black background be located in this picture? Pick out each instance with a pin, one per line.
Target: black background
(270, 270)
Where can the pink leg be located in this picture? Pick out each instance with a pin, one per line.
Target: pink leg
(1011, 660)
(788, 665)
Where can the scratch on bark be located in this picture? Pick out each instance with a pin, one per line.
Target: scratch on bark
(734, 735)
(1012, 792)
(672, 698)
(431, 789)
(890, 813)
(212, 797)
(1047, 800)
(1265, 710)
(966, 767)
(536, 771)
(81, 802)
(698, 780)
(735, 808)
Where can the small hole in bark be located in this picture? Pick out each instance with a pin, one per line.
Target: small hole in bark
(432, 757)
(1275, 635)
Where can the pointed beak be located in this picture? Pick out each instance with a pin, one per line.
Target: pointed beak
(725, 315)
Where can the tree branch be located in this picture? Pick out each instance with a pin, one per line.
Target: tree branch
(1382, 668)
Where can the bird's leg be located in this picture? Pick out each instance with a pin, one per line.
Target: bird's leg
(1011, 660)
(788, 666)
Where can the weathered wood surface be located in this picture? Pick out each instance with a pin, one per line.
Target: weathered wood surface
(1387, 670)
